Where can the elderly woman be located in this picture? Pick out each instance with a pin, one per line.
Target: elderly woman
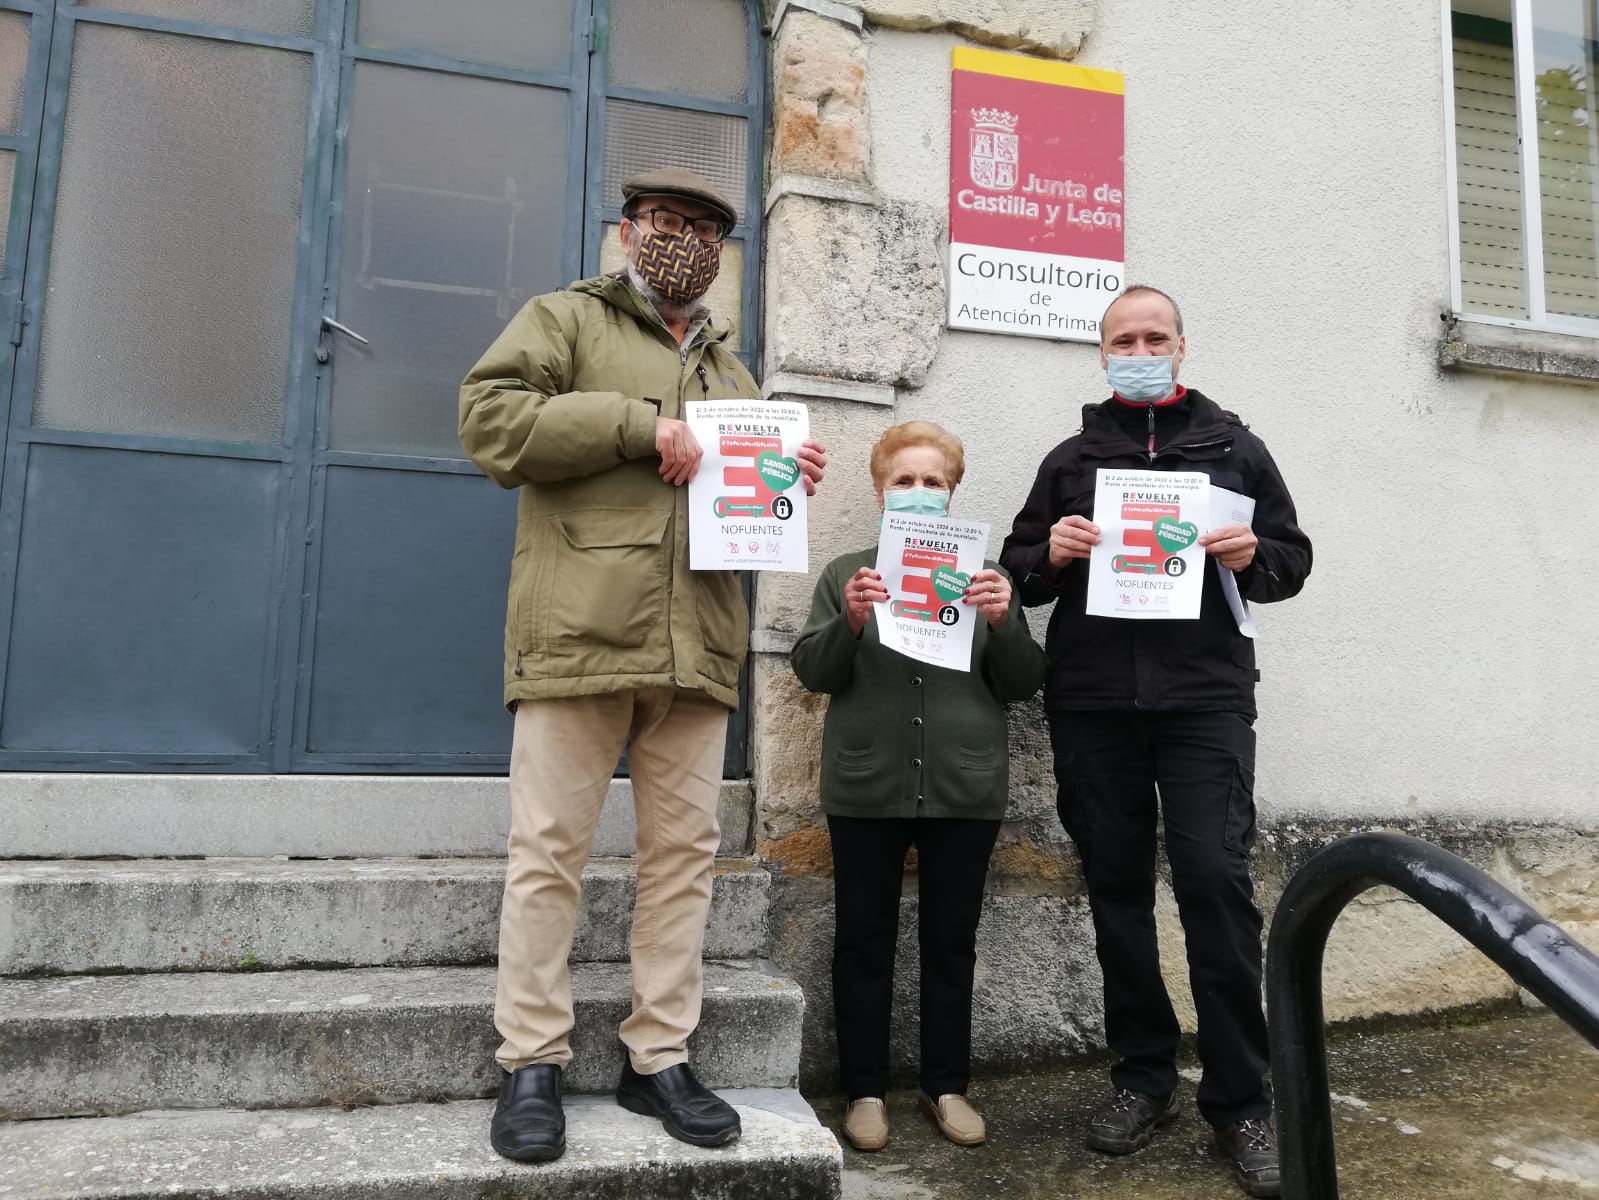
(912, 755)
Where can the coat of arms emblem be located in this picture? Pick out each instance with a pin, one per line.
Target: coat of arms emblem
(994, 149)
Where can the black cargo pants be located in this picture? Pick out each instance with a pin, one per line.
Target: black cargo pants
(1112, 769)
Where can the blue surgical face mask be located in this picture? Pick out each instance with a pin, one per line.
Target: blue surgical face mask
(923, 501)
(1142, 378)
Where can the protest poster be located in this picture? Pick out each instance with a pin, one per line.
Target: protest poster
(926, 564)
(747, 503)
(1149, 564)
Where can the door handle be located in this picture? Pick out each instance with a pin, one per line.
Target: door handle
(334, 326)
(329, 325)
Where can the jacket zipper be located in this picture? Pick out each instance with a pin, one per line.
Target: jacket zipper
(1151, 446)
(705, 385)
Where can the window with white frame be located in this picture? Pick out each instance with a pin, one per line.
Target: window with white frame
(1525, 162)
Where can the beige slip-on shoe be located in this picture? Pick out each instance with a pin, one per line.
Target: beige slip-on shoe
(866, 1124)
(955, 1117)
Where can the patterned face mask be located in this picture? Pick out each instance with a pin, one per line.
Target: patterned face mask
(680, 267)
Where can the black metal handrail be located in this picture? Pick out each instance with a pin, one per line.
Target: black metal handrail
(1536, 953)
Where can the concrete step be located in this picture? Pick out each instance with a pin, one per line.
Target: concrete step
(218, 914)
(94, 1045)
(416, 1152)
(68, 815)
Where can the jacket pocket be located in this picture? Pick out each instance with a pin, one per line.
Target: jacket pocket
(722, 615)
(609, 578)
(979, 762)
(1239, 833)
(856, 762)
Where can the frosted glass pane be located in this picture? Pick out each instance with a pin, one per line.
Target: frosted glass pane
(13, 68)
(696, 47)
(726, 297)
(534, 35)
(8, 166)
(642, 137)
(289, 18)
(172, 266)
(454, 203)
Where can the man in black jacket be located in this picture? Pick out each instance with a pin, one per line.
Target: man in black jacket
(1145, 708)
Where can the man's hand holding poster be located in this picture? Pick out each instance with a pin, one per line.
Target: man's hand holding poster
(747, 504)
(1148, 564)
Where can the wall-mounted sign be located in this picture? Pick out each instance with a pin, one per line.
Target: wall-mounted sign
(1036, 198)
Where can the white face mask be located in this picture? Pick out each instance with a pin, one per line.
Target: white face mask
(1143, 378)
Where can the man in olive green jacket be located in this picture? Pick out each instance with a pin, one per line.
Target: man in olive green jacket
(612, 642)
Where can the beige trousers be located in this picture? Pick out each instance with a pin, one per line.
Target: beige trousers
(562, 755)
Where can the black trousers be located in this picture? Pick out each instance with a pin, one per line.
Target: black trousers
(1110, 768)
(868, 869)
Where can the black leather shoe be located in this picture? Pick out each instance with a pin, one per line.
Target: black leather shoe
(1128, 1120)
(528, 1123)
(1252, 1147)
(689, 1110)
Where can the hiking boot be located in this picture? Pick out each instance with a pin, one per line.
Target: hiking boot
(955, 1117)
(866, 1123)
(1128, 1120)
(1252, 1148)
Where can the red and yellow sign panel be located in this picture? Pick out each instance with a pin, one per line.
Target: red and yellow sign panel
(1036, 195)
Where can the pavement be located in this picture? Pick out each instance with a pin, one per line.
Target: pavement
(1503, 1104)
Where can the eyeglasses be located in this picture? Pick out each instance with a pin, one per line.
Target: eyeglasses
(669, 221)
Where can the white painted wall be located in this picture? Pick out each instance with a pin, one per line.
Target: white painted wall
(1286, 182)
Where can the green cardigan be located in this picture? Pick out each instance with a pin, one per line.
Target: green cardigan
(902, 738)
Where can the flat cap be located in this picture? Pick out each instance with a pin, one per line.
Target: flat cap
(675, 181)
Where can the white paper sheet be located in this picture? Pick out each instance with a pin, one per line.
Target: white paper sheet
(926, 563)
(747, 504)
(1149, 565)
(1231, 508)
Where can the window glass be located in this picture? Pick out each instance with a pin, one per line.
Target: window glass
(172, 264)
(726, 297)
(693, 47)
(454, 203)
(642, 137)
(13, 68)
(533, 35)
(1488, 163)
(1568, 153)
(288, 18)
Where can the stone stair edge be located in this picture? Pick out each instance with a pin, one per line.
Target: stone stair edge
(47, 870)
(66, 998)
(98, 1045)
(404, 1150)
(91, 917)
